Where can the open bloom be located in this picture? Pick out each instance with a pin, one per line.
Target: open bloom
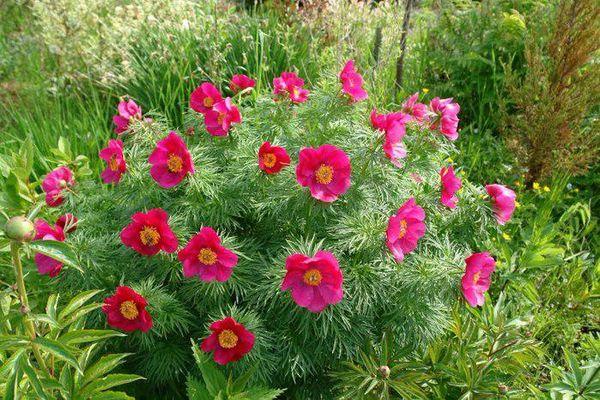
(218, 121)
(503, 202)
(229, 341)
(290, 85)
(446, 117)
(476, 280)
(126, 310)
(148, 233)
(325, 170)
(204, 97)
(352, 82)
(450, 185)
(55, 183)
(127, 111)
(412, 107)
(204, 256)
(393, 125)
(171, 161)
(315, 282)
(272, 159)
(43, 231)
(241, 82)
(405, 228)
(115, 163)
(68, 222)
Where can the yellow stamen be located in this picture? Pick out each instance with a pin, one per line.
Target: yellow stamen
(476, 277)
(228, 339)
(403, 226)
(207, 256)
(149, 236)
(174, 163)
(129, 310)
(112, 163)
(208, 102)
(312, 277)
(220, 118)
(324, 174)
(269, 160)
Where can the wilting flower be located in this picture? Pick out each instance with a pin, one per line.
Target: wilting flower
(450, 185)
(126, 310)
(205, 257)
(315, 282)
(229, 341)
(405, 228)
(171, 161)
(272, 159)
(55, 183)
(503, 202)
(352, 82)
(393, 125)
(148, 233)
(413, 108)
(218, 121)
(476, 280)
(68, 222)
(43, 231)
(115, 163)
(290, 85)
(204, 97)
(325, 170)
(127, 111)
(241, 82)
(446, 117)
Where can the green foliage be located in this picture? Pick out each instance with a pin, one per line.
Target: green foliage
(580, 382)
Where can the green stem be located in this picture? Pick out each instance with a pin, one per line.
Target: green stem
(370, 156)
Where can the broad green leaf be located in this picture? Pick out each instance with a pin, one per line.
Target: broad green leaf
(196, 390)
(88, 335)
(60, 251)
(259, 394)
(75, 318)
(13, 361)
(11, 390)
(66, 380)
(103, 366)
(109, 395)
(60, 350)
(214, 379)
(52, 305)
(107, 382)
(77, 302)
(13, 341)
(33, 379)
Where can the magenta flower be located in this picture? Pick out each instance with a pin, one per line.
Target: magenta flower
(415, 109)
(241, 82)
(393, 125)
(503, 202)
(218, 121)
(291, 86)
(315, 282)
(205, 257)
(325, 170)
(272, 159)
(43, 231)
(67, 222)
(148, 233)
(476, 280)
(204, 97)
(229, 341)
(352, 82)
(446, 117)
(127, 111)
(55, 183)
(115, 163)
(405, 228)
(450, 185)
(171, 161)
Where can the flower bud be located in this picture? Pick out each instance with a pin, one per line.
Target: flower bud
(503, 389)
(20, 229)
(384, 371)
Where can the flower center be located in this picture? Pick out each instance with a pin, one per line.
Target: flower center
(476, 277)
(269, 160)
(295, 91)
(403, 226)
(208, 102)
(324, 174)
(174, 163)
(227, 339)
(312, 277)
(207, 256)
(112, 163)
(129, 310)
(220, 118)
(149, 236)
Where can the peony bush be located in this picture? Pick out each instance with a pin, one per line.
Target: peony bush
(281, 231)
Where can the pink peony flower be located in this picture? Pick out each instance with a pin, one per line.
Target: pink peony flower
(503, 202)
(241, 82)
(126, 310)
(218, 121)
(325, 170)
(55, 183)
(148, 233)
(446, 120)
(127, 111)
(290, 85)
(229, 341)
(115, 163)
(476, 280)
(394, 127)
(204, 97)
(405, 228)
(450, 185)
(416, 110)
(205, 257)
(68, 222)
(171, 161)
(43, 231)
(272, 159)
(315, 282)
(352, 82)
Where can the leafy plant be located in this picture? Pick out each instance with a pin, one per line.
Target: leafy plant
(580, 382)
